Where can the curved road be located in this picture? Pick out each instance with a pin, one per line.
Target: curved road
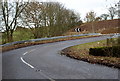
(44, 62)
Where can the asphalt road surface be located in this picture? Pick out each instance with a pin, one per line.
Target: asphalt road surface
(44, 62)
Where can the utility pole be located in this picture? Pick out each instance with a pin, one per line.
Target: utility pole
(118, 5)
(93, 27)
(119, 22)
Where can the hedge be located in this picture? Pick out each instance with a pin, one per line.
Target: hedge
(105, 51)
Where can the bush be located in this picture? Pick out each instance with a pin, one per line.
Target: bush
(105, 51)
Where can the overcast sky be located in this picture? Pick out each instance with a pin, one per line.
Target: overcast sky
(84, 6)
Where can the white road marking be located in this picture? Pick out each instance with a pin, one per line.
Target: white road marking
(34, 67)
(25, 53)
(28, 51)
(32, 50)
(26, 63)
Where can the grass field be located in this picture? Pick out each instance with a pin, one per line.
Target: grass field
(22, 35)
(18, 35)
(81, 52)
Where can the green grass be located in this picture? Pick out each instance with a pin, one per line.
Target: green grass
(89, 45)
(81, 52)
(22, 35)
(0, 41)
(19, 35)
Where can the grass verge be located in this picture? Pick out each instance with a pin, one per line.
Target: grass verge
(7, 48)
(81, 52)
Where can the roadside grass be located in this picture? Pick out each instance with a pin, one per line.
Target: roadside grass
(81, 52)
(1, 41)
(7, 48)
(18, 35)
(22, 35)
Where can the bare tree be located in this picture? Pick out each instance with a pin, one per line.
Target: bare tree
(104, 16)
(98, 19)
(32, 17)
(10, 14)
(90, 16)
(112, 12)
(46, 19)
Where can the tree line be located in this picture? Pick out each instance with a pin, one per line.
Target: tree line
(113, 11)
(44, 19)
(47, 19)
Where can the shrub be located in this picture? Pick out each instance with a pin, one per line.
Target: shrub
(105, 51)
